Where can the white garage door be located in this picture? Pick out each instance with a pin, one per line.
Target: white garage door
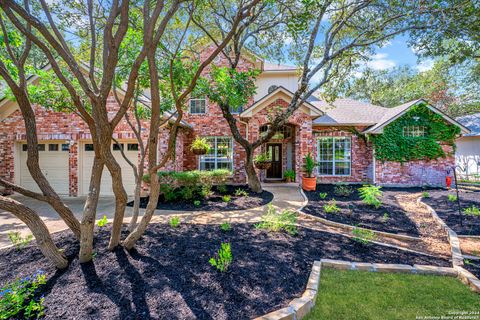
(53, 159)
(87, 157)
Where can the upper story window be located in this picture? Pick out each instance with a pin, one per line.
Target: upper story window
(414, 131)
(236, 110)
(272, 88)
(198, 105)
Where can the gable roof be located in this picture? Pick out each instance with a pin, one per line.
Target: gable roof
(279, 92)
(472, 122)
(348, 112)
(394, 113)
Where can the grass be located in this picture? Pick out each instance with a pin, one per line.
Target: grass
(380, 296)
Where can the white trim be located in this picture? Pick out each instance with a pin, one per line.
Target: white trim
(333, 157)
(216, 161)
(197, 99)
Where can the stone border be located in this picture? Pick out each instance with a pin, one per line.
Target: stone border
(350, 227)
(298, 308)
(457, 257)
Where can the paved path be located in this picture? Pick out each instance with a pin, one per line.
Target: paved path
(286, 196)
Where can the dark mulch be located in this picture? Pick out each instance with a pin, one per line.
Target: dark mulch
(473, 266)
(215, 201)
(168, 275)
(448, 210)
(355, 212)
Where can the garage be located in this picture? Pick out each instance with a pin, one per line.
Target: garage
(87, 156)
(53, 160)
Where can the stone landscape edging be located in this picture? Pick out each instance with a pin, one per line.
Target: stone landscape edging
(298, 308)
(457, 257)
(350, 227)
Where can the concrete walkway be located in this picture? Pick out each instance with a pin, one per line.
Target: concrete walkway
(285, 196)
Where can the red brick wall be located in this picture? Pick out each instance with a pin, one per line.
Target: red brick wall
(361, 151)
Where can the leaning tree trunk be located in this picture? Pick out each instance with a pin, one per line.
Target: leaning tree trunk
(89, 212)
(136, 202)
(38, 228)
(253, 180)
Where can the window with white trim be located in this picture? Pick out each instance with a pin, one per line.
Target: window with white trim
(220, 155)
(334, 156)
(414, 131)
(198, 106)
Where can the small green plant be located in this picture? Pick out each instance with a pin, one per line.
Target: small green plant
(197, 203)
(223, 258)
(472, 211)
(289, 175)
(174, 222)
(206, 191)
(226, 198)
(323, 195)
(363, 236)
(309, 165)
(425, 194)
(102, 222)
(452, 198)
(385, 217)
(17, 298)
(371, 195)
(225, 227)
(342, 190)
(222, 188)
(18, 241)
(200, 145)
(187, 193)
(276, 222)
(241, 193)
(331, 207)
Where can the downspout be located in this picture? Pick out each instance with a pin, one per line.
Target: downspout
(374, 163)
(246, 127)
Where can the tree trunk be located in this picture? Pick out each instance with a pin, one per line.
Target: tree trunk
(252, 177)
(38, 228)
(133, 237)
(136, 206)
(89, 212)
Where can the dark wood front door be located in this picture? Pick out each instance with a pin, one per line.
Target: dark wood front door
(275, 171)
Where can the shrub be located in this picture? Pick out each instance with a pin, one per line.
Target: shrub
(323, 195)
(241, 193)
(225, 227)
(197, 203)
(425, 194)
(191, 178)
(174, 222)
(168, 192)
(18, 241)
(206, 191)
(385, 217)
(452, 198)
(187, 192)
(331, 207)
(222, 188)
(472, 211)
(102, 222)
(200, 144)
(289, 175)
(371, 195)
(342, 190)
(17, 298)
(226, 198)
(272, 221)
(223, 258)
(363, 236)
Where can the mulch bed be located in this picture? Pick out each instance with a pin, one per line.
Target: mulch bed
(448, 210)
(355, 212)
(215, 201)
(168, 275)
(473, 266)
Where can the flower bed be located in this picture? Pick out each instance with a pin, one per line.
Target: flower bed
(388, 217)
(444, 204)
(168, 275)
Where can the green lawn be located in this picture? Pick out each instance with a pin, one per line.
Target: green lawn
(368, 295)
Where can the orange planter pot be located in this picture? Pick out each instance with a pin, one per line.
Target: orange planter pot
(309, 184)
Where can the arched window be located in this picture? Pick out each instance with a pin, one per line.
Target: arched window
(285, 132)
(272, 88)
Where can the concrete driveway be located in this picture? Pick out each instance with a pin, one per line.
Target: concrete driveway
(9, 222)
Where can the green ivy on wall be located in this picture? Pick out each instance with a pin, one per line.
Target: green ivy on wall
(392, 145)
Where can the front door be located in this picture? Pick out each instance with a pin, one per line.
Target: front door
(275, 171)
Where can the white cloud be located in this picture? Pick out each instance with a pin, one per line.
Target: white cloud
(425, 65)
(380, 61)
(387, 44)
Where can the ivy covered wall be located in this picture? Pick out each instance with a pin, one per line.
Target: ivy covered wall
(401, 141)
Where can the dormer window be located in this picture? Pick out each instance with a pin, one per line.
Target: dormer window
(198, 106)
(272, 88)
(414, 131)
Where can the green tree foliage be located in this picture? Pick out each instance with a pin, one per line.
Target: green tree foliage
(393, 145)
